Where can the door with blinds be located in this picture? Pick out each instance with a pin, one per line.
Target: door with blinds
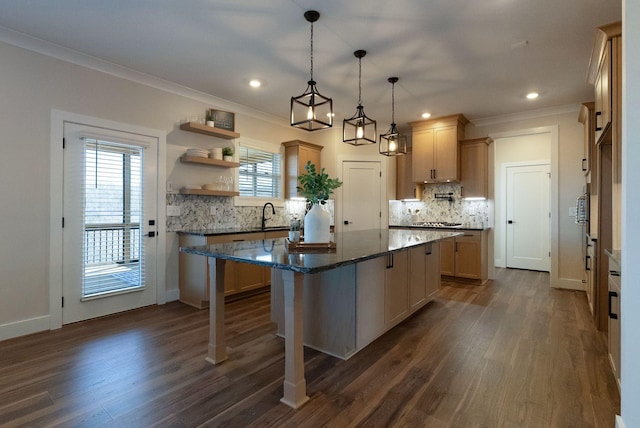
(110, 206)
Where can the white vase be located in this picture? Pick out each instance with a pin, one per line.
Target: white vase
(316, 225)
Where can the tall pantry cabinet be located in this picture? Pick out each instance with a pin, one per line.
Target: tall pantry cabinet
(605, 72)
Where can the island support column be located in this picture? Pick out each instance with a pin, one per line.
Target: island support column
(217, 351)
(295, 386)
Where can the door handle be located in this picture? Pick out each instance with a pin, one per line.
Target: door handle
(151, 234)
(346, 222)
(611, 314)
(510, 222)
(598, 128)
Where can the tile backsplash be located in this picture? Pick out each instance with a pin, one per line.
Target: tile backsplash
(218, 212)
(469, 213)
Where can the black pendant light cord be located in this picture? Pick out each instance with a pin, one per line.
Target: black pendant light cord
(360, 81)
(393, 103)
(311, 50)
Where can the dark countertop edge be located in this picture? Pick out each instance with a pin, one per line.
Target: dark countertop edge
(439, 228)
(202, 251)
(216, 232)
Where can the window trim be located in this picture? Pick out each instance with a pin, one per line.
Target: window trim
(249, 201)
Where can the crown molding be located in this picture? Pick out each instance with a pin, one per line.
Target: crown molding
(533, 114)
(62, 53)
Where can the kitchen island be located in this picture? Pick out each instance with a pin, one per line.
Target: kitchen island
(354, 276)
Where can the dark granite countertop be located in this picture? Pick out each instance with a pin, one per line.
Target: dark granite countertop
(231, 230)
(351, 247)
(440, 228)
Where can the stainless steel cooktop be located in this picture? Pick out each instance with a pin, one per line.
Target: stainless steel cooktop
(439, 224)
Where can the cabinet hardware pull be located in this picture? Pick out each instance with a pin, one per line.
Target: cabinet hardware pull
(429, 249)
(456, 247)
(389, 261)
(584, 168)
(587, 265)
(611, 314)
(614, 273)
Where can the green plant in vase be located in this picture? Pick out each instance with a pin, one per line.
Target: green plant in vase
(316, 188)
(227, 153)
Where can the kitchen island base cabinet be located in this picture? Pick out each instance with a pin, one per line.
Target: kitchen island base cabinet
(347, 308)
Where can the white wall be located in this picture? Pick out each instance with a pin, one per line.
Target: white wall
(566, 260)
(630, 301)
(31, 85)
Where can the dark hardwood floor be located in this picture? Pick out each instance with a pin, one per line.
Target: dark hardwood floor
(513, 353)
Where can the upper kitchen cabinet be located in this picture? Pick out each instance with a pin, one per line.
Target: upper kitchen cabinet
(435, 148)
(605, 72)
(587, 117)
(474, 167)
(296, 154)
(406, 188)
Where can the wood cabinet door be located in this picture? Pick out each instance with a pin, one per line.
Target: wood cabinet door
(446, 154)
(297, 154)
(473, 168)
(396, 288)
(467, 255)
(417, 276)
(447, 257)
(613, 336)
(603, 92)
(405, 187)
(422, 155)
(433, 279)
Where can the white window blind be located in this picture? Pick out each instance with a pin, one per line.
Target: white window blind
(259, 174)
(113, 256)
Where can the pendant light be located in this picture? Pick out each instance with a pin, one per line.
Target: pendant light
(359, 129)
(311, 110)
(393, 143)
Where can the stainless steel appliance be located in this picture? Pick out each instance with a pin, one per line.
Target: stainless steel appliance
(438, 224)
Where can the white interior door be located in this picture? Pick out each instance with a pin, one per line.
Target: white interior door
(110, 207)
(361, 203)
(528, 217)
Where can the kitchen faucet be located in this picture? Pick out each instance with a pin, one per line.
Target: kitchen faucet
(273, 211)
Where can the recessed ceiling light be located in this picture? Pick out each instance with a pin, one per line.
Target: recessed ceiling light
(532, 95)
(426, 115)
(255, 83)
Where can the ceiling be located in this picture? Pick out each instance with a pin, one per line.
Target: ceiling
(474, 57)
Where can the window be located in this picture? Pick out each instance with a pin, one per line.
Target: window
(112, 210)
(259, 175)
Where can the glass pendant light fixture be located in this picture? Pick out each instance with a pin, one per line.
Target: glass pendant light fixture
(359, 129)
(393, 143)
(311, 110)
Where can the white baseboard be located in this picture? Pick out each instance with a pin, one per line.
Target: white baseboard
(569, 284)
(24, 327)
(619, 422)
(172, 295)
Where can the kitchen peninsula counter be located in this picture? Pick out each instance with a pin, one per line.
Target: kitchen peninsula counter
(345, 299)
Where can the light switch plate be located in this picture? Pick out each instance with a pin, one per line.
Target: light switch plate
(212, 210)
(173, 210)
